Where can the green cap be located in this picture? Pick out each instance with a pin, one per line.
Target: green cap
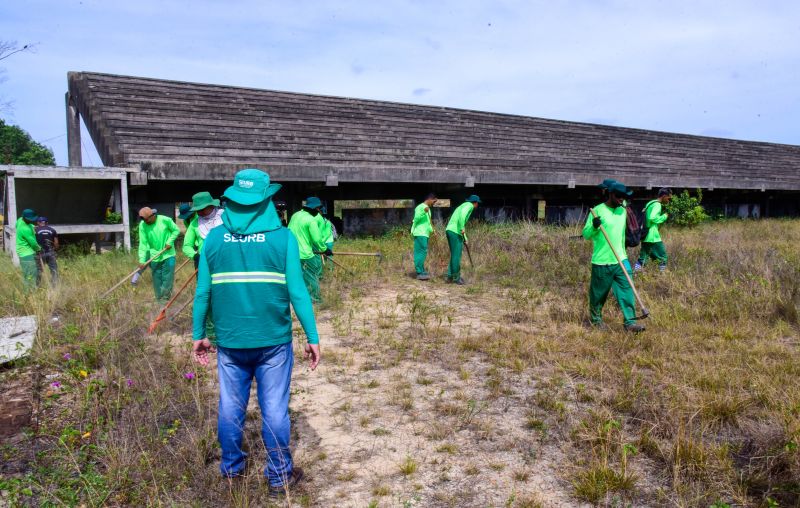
(29, 214)
(202, 200)
(313, 202)
(251, 186)
(474, 199)
(607, 183)
(185, 211)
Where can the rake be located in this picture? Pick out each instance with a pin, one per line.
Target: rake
(162, 315)
(138, 270)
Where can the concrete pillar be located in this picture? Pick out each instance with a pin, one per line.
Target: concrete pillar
(73, 132)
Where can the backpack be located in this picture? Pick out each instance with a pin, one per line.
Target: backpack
(641, 218)
(633, 230)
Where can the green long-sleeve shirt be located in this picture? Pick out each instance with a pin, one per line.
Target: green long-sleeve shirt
(422, 224)
(191, 240)
(307, 230)
(654, 217)
(154, 237)
(614, 221)
(26, 239)
(458, 221)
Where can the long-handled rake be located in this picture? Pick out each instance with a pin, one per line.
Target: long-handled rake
(645, 312)
(138, 270)
(162, 315)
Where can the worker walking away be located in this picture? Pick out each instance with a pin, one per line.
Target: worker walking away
(457, 236)
(47, 238)
(208, 216)
(157, 232)
(421, 230)
(250, 274)
(652, 246)
(306, 228)
(607, 275)
(27, 247)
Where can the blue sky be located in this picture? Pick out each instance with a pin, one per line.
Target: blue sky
(727, 69)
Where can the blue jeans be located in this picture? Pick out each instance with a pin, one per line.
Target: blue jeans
(272, 369)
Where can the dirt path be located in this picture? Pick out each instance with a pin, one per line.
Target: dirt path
(395, 415)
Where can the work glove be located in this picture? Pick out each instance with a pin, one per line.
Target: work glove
(596, 222)
(328, 253)
(196, 260)
(135, 278)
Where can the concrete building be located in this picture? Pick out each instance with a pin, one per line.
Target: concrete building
(180, 138)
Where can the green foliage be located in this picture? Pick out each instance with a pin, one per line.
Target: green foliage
(17, 147)
(113, 218)
(686, 210)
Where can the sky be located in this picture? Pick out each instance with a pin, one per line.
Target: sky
(725, 69)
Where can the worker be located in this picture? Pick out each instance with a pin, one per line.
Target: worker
(421, 230)
(306, 228)
(208, 215)
(457, 236)
(156, 233)
(652, 246)
(606, 272)
(186, 214)
(47, 238)
(250, 274)
(27, 247)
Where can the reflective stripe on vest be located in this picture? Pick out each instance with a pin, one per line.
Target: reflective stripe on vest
(242, 277)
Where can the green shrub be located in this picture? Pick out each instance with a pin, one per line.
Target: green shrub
(686, 210)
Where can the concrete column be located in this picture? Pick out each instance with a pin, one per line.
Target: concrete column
(10, 240)
(73, 132)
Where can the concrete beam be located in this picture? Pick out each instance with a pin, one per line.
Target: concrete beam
(73, 132)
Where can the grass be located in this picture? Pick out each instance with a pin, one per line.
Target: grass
(705, 404)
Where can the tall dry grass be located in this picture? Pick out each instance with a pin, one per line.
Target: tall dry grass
(710, 393)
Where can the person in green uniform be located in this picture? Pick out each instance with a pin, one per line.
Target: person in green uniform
(457, 236)
(27, 248)
(607, 275)
(155, 233)
(328, 232)
(207, 216)
(652, 246)
(306, 228)
(421, 230)
(250, 280)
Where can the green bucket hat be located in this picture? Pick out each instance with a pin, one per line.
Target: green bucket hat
(313, 202)
(29, 214)
(474, 199)
(607, 183)
(202, 200)
(185, 211)
(251, 186)
(620, 189)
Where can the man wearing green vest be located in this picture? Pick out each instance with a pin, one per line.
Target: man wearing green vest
(208, 215)
(652, 246)
(421, 230)
(157, 232)
(306, 228)
(250, 275)
(27, 247)
(457, 236)
(607, 275)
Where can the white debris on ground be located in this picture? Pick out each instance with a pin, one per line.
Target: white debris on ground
(16, 337)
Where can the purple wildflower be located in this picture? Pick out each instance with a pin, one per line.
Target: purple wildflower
(129, 382)
(189, 375)
(55, 384)
(67, 356)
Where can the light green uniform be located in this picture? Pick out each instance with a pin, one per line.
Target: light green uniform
(192, 241)
(606, 272)
(652, 246)
(455, 239)
(27, 247)
(152, 239)
(310, 241)
(421, 229)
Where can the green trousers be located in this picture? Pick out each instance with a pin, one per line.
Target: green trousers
(653, 250)
(31, 275)
(456, 244)
(312, 270)
(163, 278)
(606, 278)
(420, 254)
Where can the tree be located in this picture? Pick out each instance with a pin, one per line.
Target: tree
(17, 147)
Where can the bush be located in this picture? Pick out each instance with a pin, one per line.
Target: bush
(686, 210)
